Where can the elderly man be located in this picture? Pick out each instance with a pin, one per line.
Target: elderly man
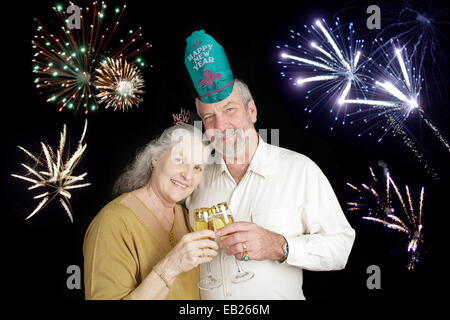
(287, 215)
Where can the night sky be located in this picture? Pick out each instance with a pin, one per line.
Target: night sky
(38, 251)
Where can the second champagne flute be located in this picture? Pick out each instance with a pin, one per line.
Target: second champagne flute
(221, 216)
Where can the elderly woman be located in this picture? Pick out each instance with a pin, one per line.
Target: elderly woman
(138, 246)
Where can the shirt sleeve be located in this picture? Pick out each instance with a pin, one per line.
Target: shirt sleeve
(109, 260)
(329, 237)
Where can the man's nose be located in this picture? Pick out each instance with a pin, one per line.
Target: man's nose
(221, 122)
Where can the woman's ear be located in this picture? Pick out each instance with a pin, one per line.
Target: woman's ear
(153, 163)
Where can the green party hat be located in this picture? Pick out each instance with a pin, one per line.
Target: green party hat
(208, 67)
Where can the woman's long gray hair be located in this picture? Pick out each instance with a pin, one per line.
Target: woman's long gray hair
(137, 174)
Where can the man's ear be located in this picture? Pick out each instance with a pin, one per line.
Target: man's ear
(252, 111)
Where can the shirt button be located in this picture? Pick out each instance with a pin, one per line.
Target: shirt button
(229, 294)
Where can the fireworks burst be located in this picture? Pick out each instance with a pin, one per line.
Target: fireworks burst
(119, 83)
(379, 205)
(54, 174)
(418, 24)
(405, 101)
(400, 87)
(381, 90)
(396, 93)
(333, 61)
(66, 59)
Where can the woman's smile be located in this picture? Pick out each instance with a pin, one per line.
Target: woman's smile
(179, 184)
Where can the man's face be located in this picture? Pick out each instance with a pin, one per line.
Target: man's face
(228, 122)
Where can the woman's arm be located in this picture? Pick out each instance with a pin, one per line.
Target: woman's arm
(152, 288)
(187, 254)
(110, 268)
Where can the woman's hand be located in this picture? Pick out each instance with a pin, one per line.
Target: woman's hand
(189, 252)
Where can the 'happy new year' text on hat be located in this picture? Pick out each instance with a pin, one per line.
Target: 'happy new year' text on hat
(208, 67)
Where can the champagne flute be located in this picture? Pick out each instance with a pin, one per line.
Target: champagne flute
(221, 216)
(202, 222)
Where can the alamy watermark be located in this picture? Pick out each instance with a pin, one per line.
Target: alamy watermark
(74, 20)
(374, 20)
(230, 145)
(374, 280)
(74, 279)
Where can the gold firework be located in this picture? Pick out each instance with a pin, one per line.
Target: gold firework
(55, 175)
(379, 206)
(119, 83)
(66, 58)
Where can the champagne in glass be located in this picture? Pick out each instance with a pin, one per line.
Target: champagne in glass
(221, 216)
(202, 219)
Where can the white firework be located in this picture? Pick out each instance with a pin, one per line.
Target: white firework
(330, 61)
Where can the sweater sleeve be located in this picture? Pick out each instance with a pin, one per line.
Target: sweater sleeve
(110, 262)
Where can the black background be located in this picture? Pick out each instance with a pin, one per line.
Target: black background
(37, 252)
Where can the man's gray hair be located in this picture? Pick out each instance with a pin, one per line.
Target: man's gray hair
(243, 90)
(137, 174)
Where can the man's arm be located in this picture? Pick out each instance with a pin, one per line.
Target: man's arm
(326, 243)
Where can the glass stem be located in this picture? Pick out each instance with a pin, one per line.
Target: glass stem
(238, 265)
(208, 268)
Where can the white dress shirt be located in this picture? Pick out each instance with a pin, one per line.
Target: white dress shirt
(284, 192)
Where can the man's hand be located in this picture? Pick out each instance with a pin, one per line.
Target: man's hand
(261, 244)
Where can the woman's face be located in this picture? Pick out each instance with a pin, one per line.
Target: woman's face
(179, 170)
